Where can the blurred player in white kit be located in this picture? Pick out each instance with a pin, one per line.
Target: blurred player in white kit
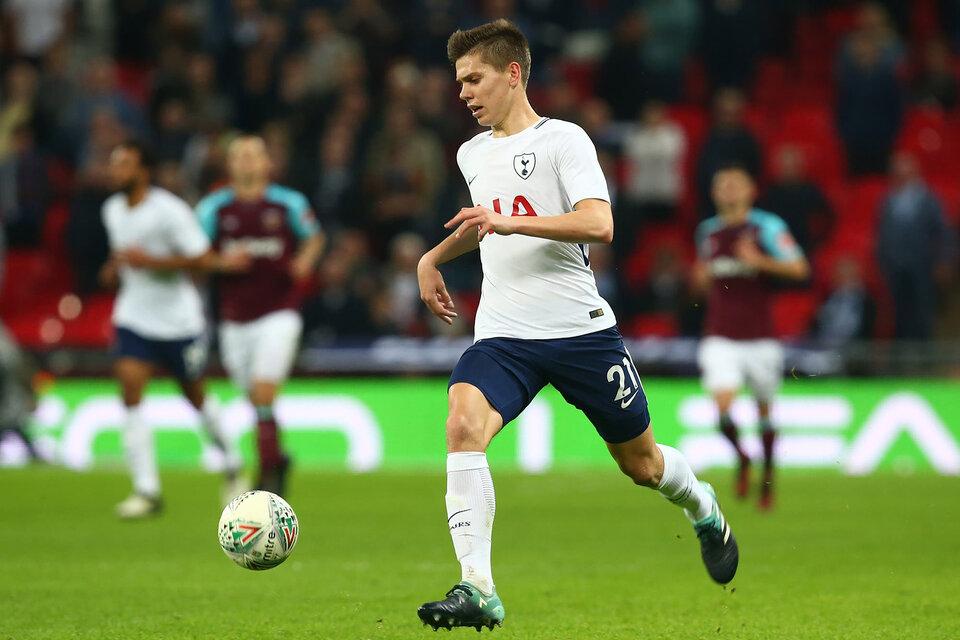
(156, 242)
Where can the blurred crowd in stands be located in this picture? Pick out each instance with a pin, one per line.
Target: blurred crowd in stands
(845, 111)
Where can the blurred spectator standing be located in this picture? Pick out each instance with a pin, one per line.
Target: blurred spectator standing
(848, 313)
(24, 189)
(18, 104)
(342, 307)
(620, 79)
(326, 50)
(596, 118)
(935, 84)
(875, 23)
(99, 93)
(728, 141)
(733, 39)
(666, 286)
(654, 149)
(671, 38)
(916, 250)
(799, 202)
(37, 24)
(207, 102)
(869, 99)
(336, 190)
(402, 287)
(404, 172)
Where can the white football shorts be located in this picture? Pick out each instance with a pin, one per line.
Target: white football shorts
(262, 350)
(728, 365)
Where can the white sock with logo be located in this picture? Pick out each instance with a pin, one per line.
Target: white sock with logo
(471, 505)
(141, 455)
(680, 486)
(210, 417)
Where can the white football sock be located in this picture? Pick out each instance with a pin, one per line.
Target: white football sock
(141, 456)
(210, 417)
(471, 505)
(681, 487)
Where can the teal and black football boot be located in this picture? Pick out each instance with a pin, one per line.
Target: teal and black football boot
(718, 547)
(464, 606)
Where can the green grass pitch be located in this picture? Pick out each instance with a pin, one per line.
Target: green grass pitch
(576, 555)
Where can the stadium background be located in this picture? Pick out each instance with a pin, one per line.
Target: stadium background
(839, 107)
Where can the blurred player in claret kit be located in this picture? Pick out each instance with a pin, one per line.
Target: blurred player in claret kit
(259, 308)
(155, 244)
(742, 251)
(540, 198)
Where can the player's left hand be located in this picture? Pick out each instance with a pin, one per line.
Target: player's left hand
(485, 220)
(134, 257)
(747, 252)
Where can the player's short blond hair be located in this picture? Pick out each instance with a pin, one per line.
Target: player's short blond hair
(499, 43)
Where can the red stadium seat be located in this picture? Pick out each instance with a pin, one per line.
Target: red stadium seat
(926, 133)
(92, 327)
(810, 129)
(663, 325)
(675, 236)
(771, 83)
(866, 196)
(792, 313)
(948, 192)
(28, 273)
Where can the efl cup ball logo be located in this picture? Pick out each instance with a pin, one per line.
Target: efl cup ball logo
(258, 530)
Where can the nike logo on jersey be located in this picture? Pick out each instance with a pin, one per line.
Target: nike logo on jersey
(470, 180)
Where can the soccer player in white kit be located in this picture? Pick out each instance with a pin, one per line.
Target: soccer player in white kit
(155, 241)
(540, 199)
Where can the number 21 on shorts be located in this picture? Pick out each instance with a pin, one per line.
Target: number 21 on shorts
(616, 374)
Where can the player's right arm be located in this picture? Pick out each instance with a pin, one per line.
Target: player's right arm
(109, 274)
(700, 275)
(433, 291)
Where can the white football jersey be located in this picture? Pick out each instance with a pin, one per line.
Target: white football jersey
(535, 288)
(157, 305)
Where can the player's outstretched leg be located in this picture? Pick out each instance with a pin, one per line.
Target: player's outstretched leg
(274, 464)
(768, 435)
(142, 462)
(471, 507)
(666, 470)
(729, 431)
(209, 409)
(133, 375)
(233, 481)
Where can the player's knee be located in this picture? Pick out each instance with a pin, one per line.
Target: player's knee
(463, 431)
(642, 471)
(262, 394)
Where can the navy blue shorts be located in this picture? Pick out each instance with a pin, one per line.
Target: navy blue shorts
(593, 372)
(185, 359)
